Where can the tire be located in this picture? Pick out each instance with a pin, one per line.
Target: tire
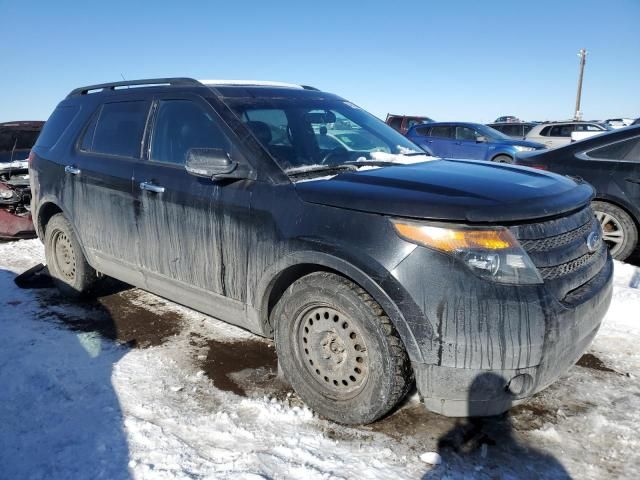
(619, 230)
(68, 267)
(339, 350)
(502, 159)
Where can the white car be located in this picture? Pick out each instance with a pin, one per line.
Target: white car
(560, 133)
(619, 122)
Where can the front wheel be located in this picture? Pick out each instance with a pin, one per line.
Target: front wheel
(618, 229)
(339, 350)
(503, 159)
(68, 267)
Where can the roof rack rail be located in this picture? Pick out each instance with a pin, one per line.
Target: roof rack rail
(133, 83)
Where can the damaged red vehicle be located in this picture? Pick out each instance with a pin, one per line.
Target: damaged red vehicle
(16, 140)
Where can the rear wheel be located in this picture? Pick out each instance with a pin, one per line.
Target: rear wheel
(618, 229)
(339, 350)
(503, 159)
(67, 265)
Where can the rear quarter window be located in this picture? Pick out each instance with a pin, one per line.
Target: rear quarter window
(625, 150)
(58, 122)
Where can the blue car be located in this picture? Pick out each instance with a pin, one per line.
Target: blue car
(472, 141)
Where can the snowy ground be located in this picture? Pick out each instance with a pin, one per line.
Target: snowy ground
(134, 386)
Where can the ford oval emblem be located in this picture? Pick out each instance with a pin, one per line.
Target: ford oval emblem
(592, 241)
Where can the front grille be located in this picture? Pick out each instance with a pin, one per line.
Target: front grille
(551, 273)
(559, 250)
(542, 244)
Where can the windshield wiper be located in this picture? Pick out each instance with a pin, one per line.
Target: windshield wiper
(375, 163)
(313, 169)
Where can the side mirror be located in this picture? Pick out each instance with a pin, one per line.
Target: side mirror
(481, 139)
(212, 163)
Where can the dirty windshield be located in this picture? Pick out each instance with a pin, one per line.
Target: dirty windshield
(311, 134)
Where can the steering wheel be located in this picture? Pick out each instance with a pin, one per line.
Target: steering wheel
(332, 153)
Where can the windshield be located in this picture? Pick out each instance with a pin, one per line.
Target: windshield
(308, 132)
(492, 133)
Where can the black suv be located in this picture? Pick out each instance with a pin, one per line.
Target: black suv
(369, 263)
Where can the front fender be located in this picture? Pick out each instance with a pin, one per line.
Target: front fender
(381, 285)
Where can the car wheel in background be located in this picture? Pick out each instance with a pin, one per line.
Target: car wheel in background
(67, 265)
(618, 229)
(339, 350)
(503, 159)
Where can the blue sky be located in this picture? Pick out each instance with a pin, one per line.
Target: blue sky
(456, 60)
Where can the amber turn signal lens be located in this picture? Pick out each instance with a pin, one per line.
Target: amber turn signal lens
(450, 240)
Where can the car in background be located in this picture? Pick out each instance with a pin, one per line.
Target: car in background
(637, 122)
(513, 129)
(558, 134)
(472, 141)
(611, 164)
(402, 123)
(507, 119)
(16, 140)
(618, 122)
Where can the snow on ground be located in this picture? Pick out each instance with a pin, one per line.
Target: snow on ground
(134, 386)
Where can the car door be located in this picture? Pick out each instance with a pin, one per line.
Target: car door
(440, 140)
(97, 185)
(559, 135)
(466, 145)
(193, 231)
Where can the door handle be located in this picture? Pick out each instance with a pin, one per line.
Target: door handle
(72, 170)
(633, 180)
(151, 187)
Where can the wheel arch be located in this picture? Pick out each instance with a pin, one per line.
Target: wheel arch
(293, 267)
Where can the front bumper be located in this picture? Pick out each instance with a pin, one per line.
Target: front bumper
(490, 346)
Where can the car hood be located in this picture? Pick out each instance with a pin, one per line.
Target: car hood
(451, 190)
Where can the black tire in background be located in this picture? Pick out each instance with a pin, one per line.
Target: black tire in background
(68, 267)
(339, 350)
(619, 230)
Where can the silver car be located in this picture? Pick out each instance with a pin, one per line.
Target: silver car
(559, 134)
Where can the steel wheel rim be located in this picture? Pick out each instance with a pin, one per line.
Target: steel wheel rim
(612, 232)
(63, 255)
(332, 348)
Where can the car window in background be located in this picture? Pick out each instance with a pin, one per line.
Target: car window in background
(119, 128)
(625, 150)
(56, 125)
(442, 131)
(396, 122)
(180, 126)
(588, 128)
(422, 131)
(491, 133)
(465, 133)
(526, 129)
(561, 130)
(545, 131)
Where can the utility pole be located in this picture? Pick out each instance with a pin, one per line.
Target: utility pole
(583, 59)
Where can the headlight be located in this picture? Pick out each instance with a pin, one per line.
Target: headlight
(491, 253)
(524, 149)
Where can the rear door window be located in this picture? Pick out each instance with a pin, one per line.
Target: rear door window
(119, 129)
(442, 131)
(561, 130)
(56, 125)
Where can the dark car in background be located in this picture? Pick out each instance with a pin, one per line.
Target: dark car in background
(402, 123)
(513, 129)
(472, 141)
(611, 163)
(16, 140)
(370, 267)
